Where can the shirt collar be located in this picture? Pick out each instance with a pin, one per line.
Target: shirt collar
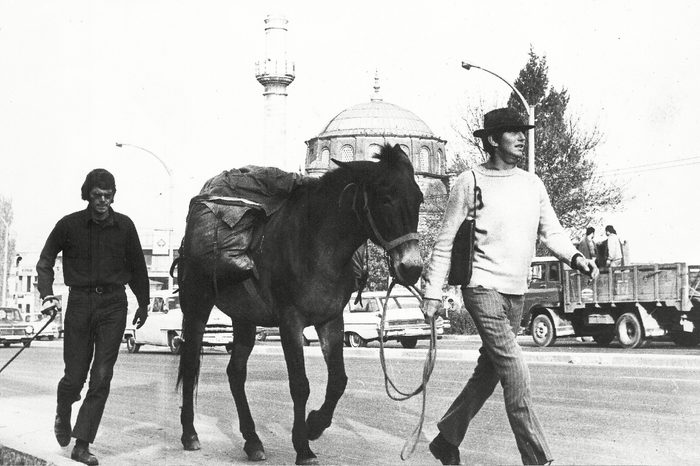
(109, 221)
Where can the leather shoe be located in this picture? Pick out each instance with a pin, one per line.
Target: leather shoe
(83, 455)
(61, 428)
(444, 450)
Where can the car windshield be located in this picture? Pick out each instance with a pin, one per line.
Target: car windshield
(10, 314)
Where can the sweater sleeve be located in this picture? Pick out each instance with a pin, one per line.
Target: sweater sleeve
(47, 259)
(550, 231)
(455, 213)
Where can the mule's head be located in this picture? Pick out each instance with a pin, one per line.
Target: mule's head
(387, 200)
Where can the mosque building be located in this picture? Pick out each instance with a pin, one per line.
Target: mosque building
(359, 132)
(356, 133)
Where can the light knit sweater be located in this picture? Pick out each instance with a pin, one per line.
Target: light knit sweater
(516, 210)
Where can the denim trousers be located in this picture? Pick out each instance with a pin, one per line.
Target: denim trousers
(93, 331)
(497, 318)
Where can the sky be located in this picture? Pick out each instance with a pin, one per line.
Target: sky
(177, 78)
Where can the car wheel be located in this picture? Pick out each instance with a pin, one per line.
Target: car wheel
(408, 342)
(174, 343)
(27, 344)
(306, 341)
(604, 339)
(6, 345)
(132, 346)
(543, 332)
(629, 330)
(356, 341)
(686, 339)
(51, 337)
(261, 336)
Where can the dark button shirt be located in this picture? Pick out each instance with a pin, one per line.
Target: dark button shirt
(95, 254)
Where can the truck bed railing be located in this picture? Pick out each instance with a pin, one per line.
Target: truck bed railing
(657, 284)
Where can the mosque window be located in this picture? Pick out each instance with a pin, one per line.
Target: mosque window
(347, 153)
(325, 156)
(373, 150)
(424, 159)
(440, 163)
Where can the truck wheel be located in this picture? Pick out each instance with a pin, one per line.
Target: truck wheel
(686, 339)
(174, 343)
(629, 330)
(356, 341)
(543, 332)
(408, 342)
(604, 339)
(132, 346)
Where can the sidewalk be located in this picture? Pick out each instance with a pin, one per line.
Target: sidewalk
(25, 438)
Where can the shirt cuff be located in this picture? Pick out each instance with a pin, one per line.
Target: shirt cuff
(573, 259)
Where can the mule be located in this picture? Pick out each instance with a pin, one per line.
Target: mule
(304, 277)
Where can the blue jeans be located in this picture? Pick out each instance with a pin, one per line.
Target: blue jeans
(497, 317)
(93, 331)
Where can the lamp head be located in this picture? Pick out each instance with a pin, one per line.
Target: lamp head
(118, 144)
(466, 66)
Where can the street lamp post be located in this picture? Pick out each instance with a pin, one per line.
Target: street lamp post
(530, 109)
(6, 244)
(171, 188)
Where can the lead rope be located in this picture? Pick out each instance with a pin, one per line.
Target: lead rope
(53, 310)
(409, 445)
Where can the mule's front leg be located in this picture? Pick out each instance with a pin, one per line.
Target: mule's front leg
(330, 336)
(293, 346)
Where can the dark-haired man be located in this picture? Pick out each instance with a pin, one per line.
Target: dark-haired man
(513, 210)
(101, 253)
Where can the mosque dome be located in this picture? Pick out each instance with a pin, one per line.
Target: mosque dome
(359, 132)
(376, 118)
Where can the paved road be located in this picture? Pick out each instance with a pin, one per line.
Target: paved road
(597, 406)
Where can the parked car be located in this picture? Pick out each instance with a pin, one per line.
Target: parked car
(51, 332)
(13, 328)
(164, 326)
(404, 321)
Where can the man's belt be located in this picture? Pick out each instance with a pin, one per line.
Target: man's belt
(97, 289)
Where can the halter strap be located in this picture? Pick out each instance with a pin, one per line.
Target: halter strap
(387, 245)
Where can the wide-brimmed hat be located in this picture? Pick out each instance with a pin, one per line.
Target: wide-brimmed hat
(501, 119)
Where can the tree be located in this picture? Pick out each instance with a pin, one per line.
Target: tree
(5, 224)
(564, 152)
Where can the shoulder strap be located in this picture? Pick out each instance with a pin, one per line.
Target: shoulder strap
(471, 211)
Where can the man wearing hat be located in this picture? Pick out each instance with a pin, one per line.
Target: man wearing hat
(101, 253)
(513, 211)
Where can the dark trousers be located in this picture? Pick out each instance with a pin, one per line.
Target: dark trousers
(93, 331)
(497, 317)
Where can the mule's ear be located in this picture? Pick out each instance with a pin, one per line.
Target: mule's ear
(340, 164)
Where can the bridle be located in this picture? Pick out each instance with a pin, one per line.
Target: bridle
(367, 219)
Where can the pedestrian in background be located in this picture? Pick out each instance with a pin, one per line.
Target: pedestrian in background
(614, 248)
(587, 245)
(513, 213)
(101, 253)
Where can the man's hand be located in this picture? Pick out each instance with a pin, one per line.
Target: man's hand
(49, 304)
(430, 308)
(587, 266)
(140, 316)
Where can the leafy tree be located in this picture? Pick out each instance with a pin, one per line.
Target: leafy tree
(564, 152)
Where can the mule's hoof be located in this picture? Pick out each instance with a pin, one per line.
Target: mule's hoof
(309, 458)
(315, 426)
(190, 442)
(255, 451)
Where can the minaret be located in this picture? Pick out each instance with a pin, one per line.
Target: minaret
(275, 73)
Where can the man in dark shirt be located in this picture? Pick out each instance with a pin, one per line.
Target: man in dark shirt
(101, 253)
